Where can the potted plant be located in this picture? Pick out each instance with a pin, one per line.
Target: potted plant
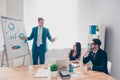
(54, 70)
(97, 29)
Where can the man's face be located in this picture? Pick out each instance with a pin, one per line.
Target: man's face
(41, 23)
(92, 45)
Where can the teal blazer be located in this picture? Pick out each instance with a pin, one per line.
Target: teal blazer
(45, 35)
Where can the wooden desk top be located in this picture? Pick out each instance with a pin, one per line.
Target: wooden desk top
(28, 73)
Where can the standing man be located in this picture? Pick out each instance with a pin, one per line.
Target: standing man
(39, 35)
(97, 56)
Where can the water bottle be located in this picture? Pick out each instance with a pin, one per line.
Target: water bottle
(70, 68)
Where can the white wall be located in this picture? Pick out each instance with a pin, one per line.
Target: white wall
(106, 12)
(2, 13)
(60, 17)
(14, 9)
(2, 7)
(10, 8)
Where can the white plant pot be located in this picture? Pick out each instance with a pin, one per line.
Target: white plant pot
(54, 74)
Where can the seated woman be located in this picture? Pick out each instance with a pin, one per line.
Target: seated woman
(75, 53)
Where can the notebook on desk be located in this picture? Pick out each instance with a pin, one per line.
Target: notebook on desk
(43, 73)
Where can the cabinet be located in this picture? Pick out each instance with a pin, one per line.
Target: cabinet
(97, 31)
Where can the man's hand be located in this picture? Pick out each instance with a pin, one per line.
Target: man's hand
(24, 38)
(87, 51)
(89, 68)
(54, 39)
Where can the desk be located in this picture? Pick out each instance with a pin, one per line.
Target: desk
(28, 72)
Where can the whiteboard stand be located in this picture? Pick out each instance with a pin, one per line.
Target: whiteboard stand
(31, 59)
(4, 53)
(13, 30)
(29, 55)
(23, 61)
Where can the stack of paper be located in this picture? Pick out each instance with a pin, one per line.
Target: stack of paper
(75, 65)
(44, 73)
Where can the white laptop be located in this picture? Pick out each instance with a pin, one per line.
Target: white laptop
(62, 63)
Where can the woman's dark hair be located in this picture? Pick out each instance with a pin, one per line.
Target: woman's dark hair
(78, 51)
(78, 48)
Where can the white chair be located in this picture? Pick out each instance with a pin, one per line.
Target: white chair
(109, 64)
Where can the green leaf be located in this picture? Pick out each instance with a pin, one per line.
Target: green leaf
(54, 67)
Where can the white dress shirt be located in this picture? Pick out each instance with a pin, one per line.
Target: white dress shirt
(39, 36)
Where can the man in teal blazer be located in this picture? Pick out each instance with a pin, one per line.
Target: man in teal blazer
(39, 35)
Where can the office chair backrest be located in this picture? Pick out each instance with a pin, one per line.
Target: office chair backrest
(109, 64)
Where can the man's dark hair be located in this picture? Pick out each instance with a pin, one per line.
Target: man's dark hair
(40, 18)
(97, 42)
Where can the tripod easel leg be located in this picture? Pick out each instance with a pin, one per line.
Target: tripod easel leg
(7, 59)
(23, 61)
(2, 58)
(4, 54)
(30, 58)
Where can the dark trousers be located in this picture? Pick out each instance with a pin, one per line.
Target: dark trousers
(38, 54)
